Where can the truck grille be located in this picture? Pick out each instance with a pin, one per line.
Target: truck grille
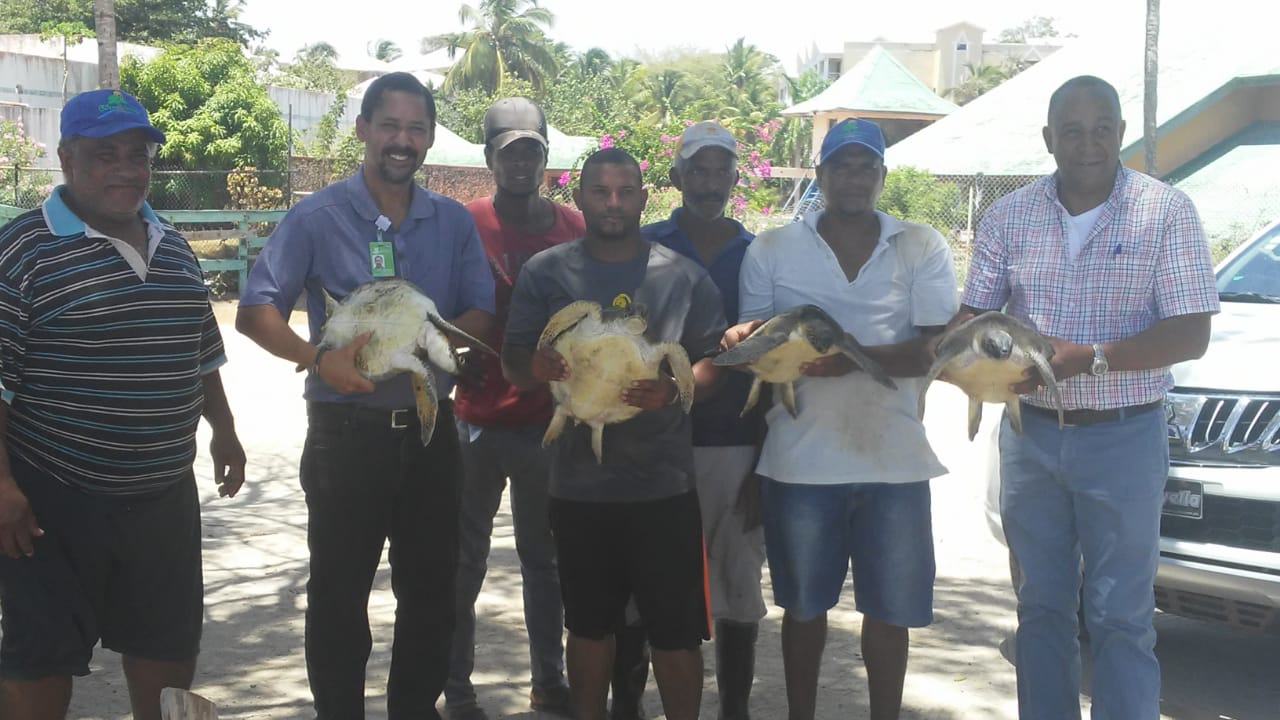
(1217, 429)
(1236, 522)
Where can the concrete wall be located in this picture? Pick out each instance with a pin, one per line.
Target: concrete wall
(33, 85)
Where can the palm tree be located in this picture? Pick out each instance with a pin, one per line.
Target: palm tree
(978, 81)
(662, 95)
(320, 52)
(104, 23)
(748, 74)
(505, 37)
(384, 50)
(595, 61)
(1150, 81)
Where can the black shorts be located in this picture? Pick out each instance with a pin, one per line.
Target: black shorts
(653, 550)
(125, 570)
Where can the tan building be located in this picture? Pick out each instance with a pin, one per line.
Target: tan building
(941, 64)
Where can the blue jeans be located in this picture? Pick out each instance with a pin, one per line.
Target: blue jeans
(1091, 492)
(812, 532)
(496, 455)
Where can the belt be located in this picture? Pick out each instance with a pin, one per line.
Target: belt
(398, 419)
(1075, 418)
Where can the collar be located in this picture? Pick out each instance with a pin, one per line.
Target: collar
(420, 206)
(890, 226)
(63, 222)
(1122, 179)
(670, 226)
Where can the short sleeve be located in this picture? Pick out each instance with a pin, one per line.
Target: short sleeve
(987, 285)
(934, 300)
(704, 325)
(528, 313)
(281, 269)
(212, 354)
(14, 309)
(755, 282)
(1184, 282)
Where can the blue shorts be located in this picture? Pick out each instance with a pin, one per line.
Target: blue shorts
(811, 532)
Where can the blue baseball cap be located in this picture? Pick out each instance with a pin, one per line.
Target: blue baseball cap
(852, 130)
(99, 113)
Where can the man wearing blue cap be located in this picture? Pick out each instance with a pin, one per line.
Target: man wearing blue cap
(109, 356)
(847, 479)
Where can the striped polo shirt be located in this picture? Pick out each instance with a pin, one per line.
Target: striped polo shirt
(101, 356)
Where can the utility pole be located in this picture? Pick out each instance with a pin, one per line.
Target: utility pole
(1150, 83)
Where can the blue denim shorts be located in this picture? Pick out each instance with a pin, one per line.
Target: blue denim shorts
(812, 532)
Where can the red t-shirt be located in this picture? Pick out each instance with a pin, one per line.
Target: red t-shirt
(499, 403)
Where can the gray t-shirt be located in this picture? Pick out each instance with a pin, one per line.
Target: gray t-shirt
(650, 456)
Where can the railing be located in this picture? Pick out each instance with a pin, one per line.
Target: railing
(249, 228)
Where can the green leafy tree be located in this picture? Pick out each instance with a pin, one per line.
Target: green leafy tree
(750, 80)
(314, 67)
(462, 111)
(139, 21)
(917, 196)
(215, 113)
(19, 184)
(586, 98)
(385, 51)
(979, 80)
(505, 37)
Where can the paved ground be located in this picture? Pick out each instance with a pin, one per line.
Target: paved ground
(255, 575)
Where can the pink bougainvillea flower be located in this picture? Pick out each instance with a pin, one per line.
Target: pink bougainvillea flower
(564, 179)
(644, 164)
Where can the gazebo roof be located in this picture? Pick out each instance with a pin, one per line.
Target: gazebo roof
(878, 83)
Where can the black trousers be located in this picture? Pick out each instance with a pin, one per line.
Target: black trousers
(366, 482)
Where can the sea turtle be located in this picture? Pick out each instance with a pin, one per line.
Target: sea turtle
(776, 350)
(606, 351)
(407, 330)
(986, 354)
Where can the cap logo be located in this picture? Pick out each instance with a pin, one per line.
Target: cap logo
(115, 103)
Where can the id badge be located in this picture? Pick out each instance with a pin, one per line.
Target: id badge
(382, 259)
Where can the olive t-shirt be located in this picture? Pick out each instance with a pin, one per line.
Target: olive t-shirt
(650, 456)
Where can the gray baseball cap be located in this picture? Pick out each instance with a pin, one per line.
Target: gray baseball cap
(510, 119)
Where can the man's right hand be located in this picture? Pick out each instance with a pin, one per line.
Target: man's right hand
(338, 368)
(548, 365)
(738, 333)
(18, 525)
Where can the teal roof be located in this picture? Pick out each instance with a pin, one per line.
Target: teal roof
(877, 83)
(1234, 184)
(565, 152)
(1000, 132)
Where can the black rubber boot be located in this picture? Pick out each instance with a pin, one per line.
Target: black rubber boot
(735, 667)
(630, 673)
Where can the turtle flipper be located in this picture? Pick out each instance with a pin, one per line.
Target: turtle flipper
(597, 441)
(764, 339)
(1046, 374)
(1013, 411)
(424, 396)
(753, 397)
(852, 350)
(449, 328)
(424, 390)
(681, 371)
(789, 398)
(934, 371)
(556, 426)
(975, 417)
(566, 318)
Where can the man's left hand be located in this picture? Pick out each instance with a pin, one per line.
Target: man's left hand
(829, 366)
(1069, 359)
(650, 394)
(228, 462)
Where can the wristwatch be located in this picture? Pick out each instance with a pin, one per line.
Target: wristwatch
(1099, 366)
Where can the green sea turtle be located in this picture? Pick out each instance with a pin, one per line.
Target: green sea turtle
(606, 351)
(986, 354)
(776, 350)
(407, 331)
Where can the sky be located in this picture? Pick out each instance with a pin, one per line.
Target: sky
(652, 26)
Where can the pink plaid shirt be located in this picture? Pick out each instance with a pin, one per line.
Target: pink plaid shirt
(1145, 260)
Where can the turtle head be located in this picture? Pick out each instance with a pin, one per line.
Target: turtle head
(996, 344)
(631, 316)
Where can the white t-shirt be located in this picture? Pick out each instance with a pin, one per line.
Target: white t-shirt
(1078, 228)
(851, 429)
